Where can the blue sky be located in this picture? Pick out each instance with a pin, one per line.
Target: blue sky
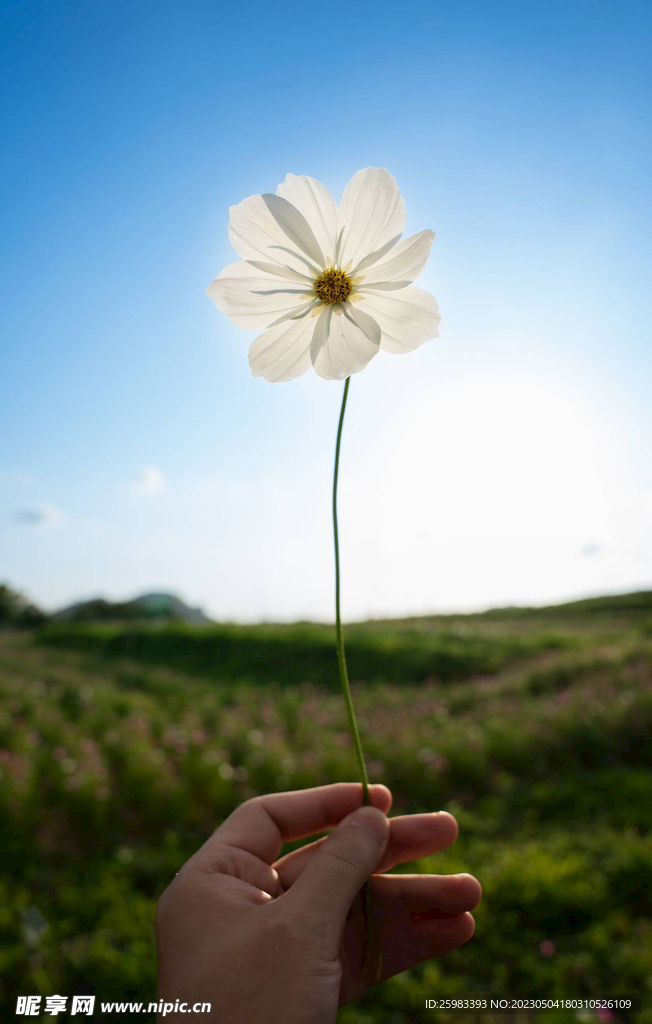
(506, 462)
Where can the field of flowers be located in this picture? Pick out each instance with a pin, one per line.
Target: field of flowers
(121, 749)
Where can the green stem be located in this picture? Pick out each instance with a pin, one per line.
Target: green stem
(341, 656)
(372, 953)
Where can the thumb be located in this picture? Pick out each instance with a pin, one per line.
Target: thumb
(324, 891)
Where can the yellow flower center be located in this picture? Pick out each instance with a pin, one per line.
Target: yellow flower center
(333, 286)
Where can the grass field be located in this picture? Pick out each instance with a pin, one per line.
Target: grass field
(121, 748)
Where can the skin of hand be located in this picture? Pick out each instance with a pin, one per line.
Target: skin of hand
(280, 941)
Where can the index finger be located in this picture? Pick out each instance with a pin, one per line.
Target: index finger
(264, 823)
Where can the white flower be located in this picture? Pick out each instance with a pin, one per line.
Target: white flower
(329, 286)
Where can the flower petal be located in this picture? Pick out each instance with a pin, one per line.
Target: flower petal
(317, 205)
(372, 213)
(252, 298)
(293, 224)
(297, 314)
(278, 271)
(344, 344)
(407, 318)
(282, 352)
(258, 230)
(373, 257)
(402, 265)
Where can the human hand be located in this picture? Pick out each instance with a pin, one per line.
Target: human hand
(281, 941)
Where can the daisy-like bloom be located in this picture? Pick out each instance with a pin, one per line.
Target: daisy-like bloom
(327, 286)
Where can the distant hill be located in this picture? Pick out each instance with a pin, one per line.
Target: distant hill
(15, 610)
(147, 606)
(639, 601)
(631, 605)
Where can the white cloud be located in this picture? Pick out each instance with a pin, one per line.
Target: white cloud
(149, 481)
(39, 515)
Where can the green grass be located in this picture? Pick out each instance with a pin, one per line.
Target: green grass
(121, 749)
(296, 654)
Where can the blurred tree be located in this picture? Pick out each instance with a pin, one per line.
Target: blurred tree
(99, 608)
(16, 611)
(148, 606)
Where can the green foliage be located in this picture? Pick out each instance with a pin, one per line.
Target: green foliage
(16, 611)
(99, 608)
(121, 750)
(297, 654)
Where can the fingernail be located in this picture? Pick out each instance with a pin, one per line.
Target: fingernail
(370, 819)
(356, 824)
